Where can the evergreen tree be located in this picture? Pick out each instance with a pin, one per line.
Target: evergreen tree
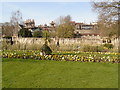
(37, 34)
(24, 33)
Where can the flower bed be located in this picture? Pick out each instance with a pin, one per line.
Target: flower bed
(87, 57)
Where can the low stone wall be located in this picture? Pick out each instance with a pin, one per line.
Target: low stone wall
(116, 42)
(61, 41)
(60, 44)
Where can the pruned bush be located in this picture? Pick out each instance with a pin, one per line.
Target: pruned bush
(46, 49)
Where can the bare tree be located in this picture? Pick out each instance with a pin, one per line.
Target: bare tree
(108, 10)
(108, 13)
(59, 20)
(7, 30)
(63, 19)
(67, 19)
(15, 20)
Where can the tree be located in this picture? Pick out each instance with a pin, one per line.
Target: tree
(15, 20)
(108, 13)
(107, 10)
(46, 35)
(65, 29)
(67, 19)
(52, 34)
(24, 33)
(62, 20)
(7, 29)
(37, 34)
(59, 21)
(45, 49)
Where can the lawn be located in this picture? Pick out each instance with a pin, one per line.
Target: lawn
(28, 73)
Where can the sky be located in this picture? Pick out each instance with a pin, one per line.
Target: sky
(45, 12)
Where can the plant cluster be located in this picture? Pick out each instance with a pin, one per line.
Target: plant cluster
(109, 46)
(88, 48)
(81, 58)
(25, 33)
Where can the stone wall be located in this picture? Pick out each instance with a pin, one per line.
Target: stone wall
(62, 41)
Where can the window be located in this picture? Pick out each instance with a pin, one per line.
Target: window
(108, 41)
(104, 41)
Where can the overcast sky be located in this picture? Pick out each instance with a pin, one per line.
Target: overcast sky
(45, 12)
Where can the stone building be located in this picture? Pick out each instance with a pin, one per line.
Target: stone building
(86, 30)
(81, 29)
(29, 23)
(50, 28)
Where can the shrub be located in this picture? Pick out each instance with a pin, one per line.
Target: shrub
(93, 48)
(37, 34)
(109, 46)
(25, 33)
(46, 49)
(7, 37)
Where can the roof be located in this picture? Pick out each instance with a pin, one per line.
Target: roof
(72, 21)
(37, 29)
(21, 25)
(78, 23)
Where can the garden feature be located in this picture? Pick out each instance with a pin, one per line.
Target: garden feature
(64, 56)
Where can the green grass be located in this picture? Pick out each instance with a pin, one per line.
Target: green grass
(19, 73)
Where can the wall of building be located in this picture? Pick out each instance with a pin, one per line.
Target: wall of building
(87, 31)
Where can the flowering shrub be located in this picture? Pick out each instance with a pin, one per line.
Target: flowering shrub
(83, 57)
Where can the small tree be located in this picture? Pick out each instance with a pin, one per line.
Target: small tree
(45, 49)
(46, 35)
(24, 33)
(65, 29)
